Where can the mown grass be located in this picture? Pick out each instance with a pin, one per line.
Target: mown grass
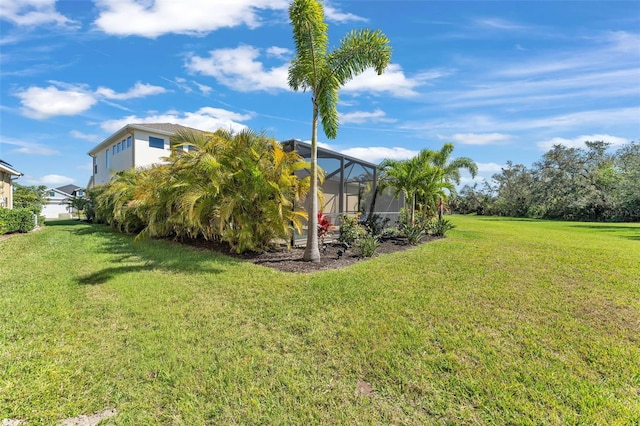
(503, 322)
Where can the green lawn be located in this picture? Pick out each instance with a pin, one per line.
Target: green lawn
(503, 322)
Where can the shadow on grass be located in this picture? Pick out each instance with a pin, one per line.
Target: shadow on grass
(146, 255)
(64, 222)
(628, 232)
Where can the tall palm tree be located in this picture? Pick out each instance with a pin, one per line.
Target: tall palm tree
(451, 169)
(323, 73)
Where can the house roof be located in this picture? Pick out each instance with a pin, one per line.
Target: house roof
(166, 129)
(8, 168)
(68, 189)
(324, 152)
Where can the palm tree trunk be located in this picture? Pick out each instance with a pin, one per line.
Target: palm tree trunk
(311, 251)
(440, 208)
(413, 209)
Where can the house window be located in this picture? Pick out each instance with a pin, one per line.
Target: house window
(80, 193)
(95, 165)
(128, 141)
(52, 194)
(107, 158)
(156, 142)
(124, 144)
(114, 150)
(118, 150)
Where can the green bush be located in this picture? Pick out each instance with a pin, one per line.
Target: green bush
(414, 233)
(368, 245)
(17, 220)
(350, 229)
(438, 228)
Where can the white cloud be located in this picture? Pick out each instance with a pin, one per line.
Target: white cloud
(489, 167)
(500, 24)
(206, 118)
(240, 70)
(154, 18)
(30, 13)
(49, 180)
(579, 141)
(204, 89)
(30, 148)
(279, 52)
(392, 81)
(468, 180)
(62, 98)
(45, 102)
(365, 116)
(479, 138)
(84, 136)
(603, 118)
(140, 90)
(376, 154)
(335, 15)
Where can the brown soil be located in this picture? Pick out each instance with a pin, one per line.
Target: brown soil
(290, 260)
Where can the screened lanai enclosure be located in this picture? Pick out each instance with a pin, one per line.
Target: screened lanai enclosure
(349, 185)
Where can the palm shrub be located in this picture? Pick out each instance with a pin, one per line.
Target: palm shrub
(439, 227)
(113, 202)
(368, 245)
(240, 188)
(413, 232)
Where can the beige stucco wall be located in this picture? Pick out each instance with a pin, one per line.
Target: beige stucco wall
(6, 192)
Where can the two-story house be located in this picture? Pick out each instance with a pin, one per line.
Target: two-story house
(134, 145)
(7, 173)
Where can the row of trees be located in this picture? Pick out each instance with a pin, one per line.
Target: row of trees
(590, 184)
(236, 188)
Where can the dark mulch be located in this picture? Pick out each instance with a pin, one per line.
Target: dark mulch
(290, 260)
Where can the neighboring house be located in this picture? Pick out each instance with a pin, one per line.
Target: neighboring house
(7, 174)
(134, 145)
(57, 206)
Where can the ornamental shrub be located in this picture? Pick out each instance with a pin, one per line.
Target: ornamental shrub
(16, 220)
(368, 245)
(350, 229)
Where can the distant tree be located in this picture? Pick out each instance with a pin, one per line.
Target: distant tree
(513, 186)
(590, 184)
(627, 187)
(29, 197)
(323, 73)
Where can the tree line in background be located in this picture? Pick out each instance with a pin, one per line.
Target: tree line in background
(240, 189)
(584, 184)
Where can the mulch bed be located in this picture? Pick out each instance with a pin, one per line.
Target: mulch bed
(290, 260)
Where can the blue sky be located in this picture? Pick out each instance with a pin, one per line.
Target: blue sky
(502, 80)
